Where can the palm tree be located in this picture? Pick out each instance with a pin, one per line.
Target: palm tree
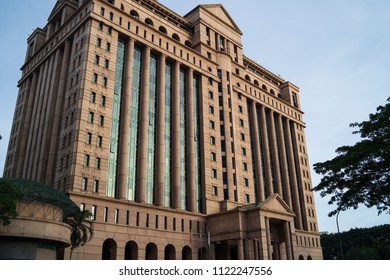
(82, 229)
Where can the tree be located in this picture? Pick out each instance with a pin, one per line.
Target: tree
(360, 174)
(81, 229)
(8, 196)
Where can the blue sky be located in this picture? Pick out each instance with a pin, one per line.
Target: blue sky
(337, 52)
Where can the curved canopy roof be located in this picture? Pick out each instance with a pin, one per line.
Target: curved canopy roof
(34, 191)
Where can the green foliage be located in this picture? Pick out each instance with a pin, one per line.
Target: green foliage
(360, 174)
(358, 244)
(82, 229)
(8, 196)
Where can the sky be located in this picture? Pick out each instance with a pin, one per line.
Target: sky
(336, 52)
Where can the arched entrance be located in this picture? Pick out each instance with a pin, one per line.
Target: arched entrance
(170, 252)
(186, 253)
(151, 252)
(109, 249)
(131, 251)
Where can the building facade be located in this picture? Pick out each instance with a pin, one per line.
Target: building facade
(180, 146)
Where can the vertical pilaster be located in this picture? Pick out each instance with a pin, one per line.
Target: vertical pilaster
(160, 146)
(176, 136)
(266, 152)
(55, 135)
(240, 249)
(123, 163)
(143, 127)
(284, 165)
(269, 244)
(287, 240)
(26, 125)
(293, 174)
(190, 135)
(257, 154)
(275, 154)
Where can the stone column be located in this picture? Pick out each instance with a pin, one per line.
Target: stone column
(143, 127)
(257, 154)
(266, 152)
(176, 136)
(269, 243)
(283, 158)
(275, 154)
(190, 145)
(293, 174)
(160, 132)
(123, 160)
(55, 136)
(30, 96)
(240, 249)
(29, 146)
(287, 239)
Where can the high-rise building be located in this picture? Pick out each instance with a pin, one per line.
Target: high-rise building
(179, 145)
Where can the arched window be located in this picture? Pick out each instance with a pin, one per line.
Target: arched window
(264, 87)
(170, 252)
(162, 29)
(247, 78)
(131, 251)
(176, 37)
(272, 91)
(148, 21)
(256, 83)
(309, 258)
(134, 13)
(188, 43)
(122, 7)
(301, 258)
(151, 252)
(109, 249)
(186, 253)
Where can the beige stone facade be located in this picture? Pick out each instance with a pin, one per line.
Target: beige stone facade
(181, 146)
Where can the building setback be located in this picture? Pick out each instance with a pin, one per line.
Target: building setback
(180, 146)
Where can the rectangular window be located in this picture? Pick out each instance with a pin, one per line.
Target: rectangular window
(93, 97)
(246, 182)
(103, 101)
(243, 151)
(102, 10)
(215, 190)
(84, 184)
(89, 138)
(111, 16)
(247, 197)
(105, 81)
(98, 161)
(211, 109)
(86, 160)
(95, 186)
(95, 78)
(213, 173)
(97, 59)
(116, 217)
(93, 212)
(90, 117)
(106, 63)
(212, 140)
(212, 125)
(211, 95)
(108, 46)
(213, 156)
(100, 141)
(105, 214)
(99, 42)
(82, 207)
(101, 120)
(245, 166)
